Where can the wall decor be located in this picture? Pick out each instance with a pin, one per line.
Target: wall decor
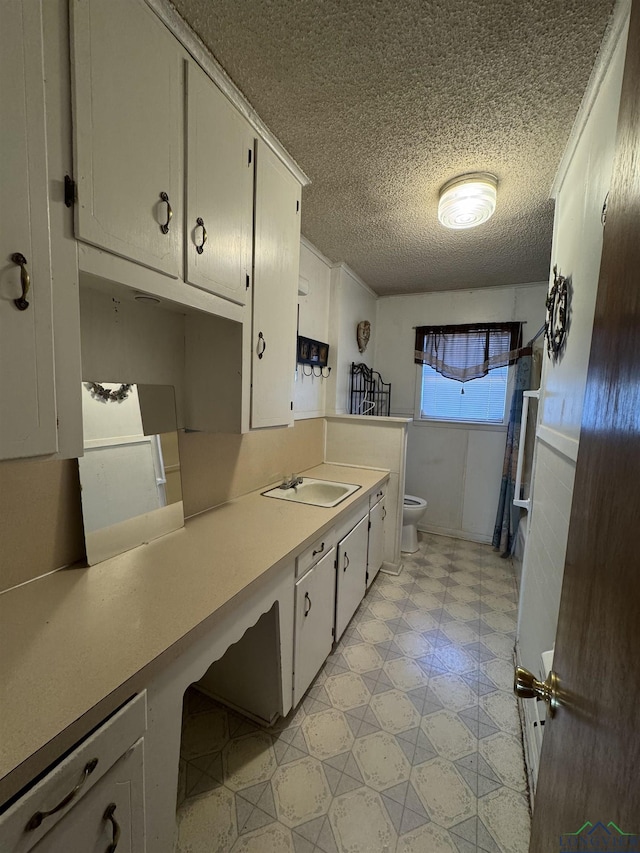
(312, 352)
(556, 324)
(363, 333)
(107, 395)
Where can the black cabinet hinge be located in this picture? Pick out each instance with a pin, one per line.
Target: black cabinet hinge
(297, 207)
(292, 405)
(69, 191)
(250, 157)
(369, 528)
(366, 577)
(248, 281)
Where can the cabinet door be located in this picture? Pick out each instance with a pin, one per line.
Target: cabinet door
(87, 826)
(315, 605)
(351, 574)
(219, 228)
(27, 387)
(276, 259)
(127, 84)
(375, 552)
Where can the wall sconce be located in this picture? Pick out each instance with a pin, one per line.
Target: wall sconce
(468, 200)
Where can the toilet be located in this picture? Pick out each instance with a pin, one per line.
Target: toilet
(412, 511)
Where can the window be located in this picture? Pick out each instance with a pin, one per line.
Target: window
(464, 371)
(442, 399)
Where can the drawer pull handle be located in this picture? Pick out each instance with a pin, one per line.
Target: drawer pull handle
(319, 551)
(202, 235)
(380, 493)
(38, 817)
(19, 259)
(346, 562)
(165, 226)
(109, 815)
(261, 343)
(307, 601)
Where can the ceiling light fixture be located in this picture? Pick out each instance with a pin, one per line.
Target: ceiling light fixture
(468, 200)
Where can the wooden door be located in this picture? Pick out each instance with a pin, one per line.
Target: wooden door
(27, 387)
(351, 574)
(315, 606)
(591, 748)
(375, 552)
(127, 74)
(219, 191)
(275, 302)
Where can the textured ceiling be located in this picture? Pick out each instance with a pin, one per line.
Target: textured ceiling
(382, 101)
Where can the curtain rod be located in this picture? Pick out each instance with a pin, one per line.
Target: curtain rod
(522, 323)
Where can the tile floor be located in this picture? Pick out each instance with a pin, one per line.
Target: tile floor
(407, 742)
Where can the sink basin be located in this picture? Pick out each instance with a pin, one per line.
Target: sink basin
(314, 492)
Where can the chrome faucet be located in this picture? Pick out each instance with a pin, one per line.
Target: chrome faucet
(292, 482)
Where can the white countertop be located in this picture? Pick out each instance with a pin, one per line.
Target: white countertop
(79, 635)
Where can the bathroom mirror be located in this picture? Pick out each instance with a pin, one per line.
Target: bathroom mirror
(130, 471)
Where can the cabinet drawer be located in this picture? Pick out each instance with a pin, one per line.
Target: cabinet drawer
(379, 493)
(79, 771)
(314, 552)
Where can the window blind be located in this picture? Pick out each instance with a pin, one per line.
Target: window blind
(483, 400)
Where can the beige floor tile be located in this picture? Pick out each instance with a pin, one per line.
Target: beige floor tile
(425, 600)
(204, 733)
(456, 659)
(381, 761)
(427, 839)
(274, 838)
(421, 621)
(360, 823)
(449, 735)
(392, 592)
(501, 645)
(466, 578)
(384, 610)
(500, 672)
(431, 585)
(503, 622)
(207, 824)
(461, 632)
(327, 733)
(505, 813)
(301, 791)
(413, 644)
(405, 673)
(502, 708)
(347, 690)
(461, 611)
(454, 693)
(444, 793)
(248, 760)
(504, 754)
(362, 657)
(374, 631)
(395, 711)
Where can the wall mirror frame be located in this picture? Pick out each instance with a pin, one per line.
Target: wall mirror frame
(130, 471)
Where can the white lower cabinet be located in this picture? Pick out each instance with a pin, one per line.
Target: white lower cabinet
(90, 798)
(375, 553)
(351, 574)
(109, 818)
(315, 602)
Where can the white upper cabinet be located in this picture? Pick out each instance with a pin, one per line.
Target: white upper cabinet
(27, 385)
(276, 262)
(128, 131)
(219, 224)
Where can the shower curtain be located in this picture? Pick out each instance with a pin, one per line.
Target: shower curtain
(508, 516)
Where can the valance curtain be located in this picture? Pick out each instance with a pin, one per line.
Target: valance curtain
(466, 352)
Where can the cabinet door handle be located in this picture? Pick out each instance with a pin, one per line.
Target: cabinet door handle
(319, 551)
(110, 816)
(307, 601)
(200, 245)
(384, 512)
(165, 227)
(263, 343)
(346, 562)
(380, 493)
(19, 259)
(38, 817)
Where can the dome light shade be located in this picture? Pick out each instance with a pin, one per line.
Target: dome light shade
(468, 200)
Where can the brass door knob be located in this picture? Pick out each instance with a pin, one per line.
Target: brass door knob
(527, 686)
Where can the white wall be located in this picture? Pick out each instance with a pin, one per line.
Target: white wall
(313, 322)
(577, 245)
(457, 469)
(351, 301)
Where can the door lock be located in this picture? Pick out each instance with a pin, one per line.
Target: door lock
(527, 686)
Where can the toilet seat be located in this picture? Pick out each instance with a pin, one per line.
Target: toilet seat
(412, 500)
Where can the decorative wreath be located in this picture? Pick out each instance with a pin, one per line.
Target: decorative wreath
(101, 393)
(555, 327)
